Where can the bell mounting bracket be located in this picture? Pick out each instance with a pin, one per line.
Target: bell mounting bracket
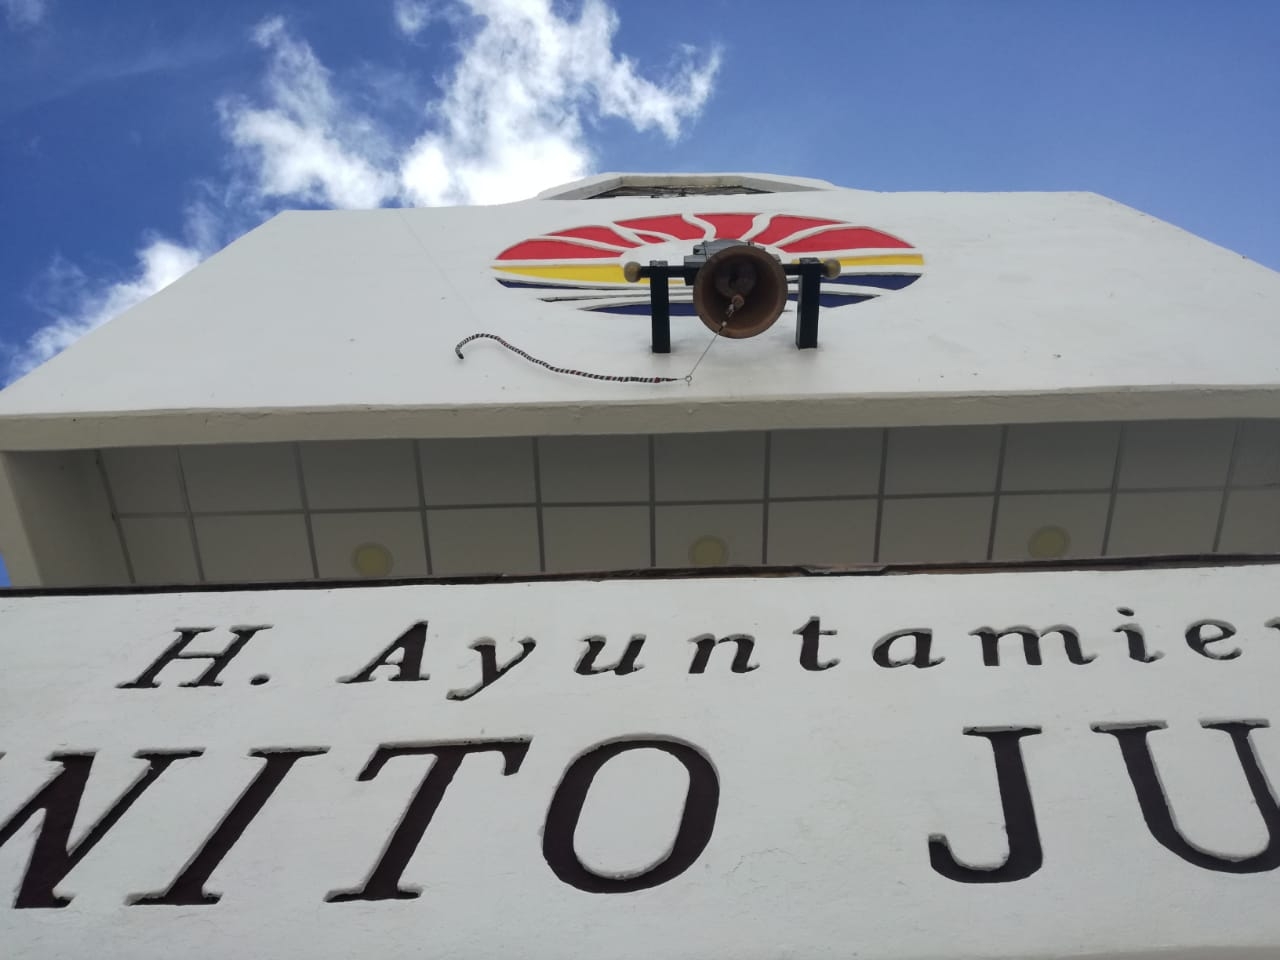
(659, 273)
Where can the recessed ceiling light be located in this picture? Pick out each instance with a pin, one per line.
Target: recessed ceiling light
(708, 552)
(372, 560)
(1048, 543)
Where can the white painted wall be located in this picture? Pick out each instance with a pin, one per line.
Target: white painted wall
(831, 781)
(341, 324)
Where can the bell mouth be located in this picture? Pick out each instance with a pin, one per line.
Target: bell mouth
(740, 291)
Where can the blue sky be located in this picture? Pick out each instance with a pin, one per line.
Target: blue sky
(137, 137)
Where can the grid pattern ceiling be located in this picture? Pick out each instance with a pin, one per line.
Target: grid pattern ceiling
(823, 497)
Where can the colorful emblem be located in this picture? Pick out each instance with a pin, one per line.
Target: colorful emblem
(582, 266)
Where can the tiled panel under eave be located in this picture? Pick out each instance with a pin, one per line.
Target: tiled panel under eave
(596, 538)
(935, 529)
(1258, 454)
(339, 535)
(1060, 456)
(477, 471)
(822, 532)
(144, 479)
(1252, 522)
(739, 527)
(824, 463)
(259, 547)
(1048, 526)
(709, 466)
(160, 550)
(1145, 524)
(1181, 453)
(368, 473)
(594, 469)
(923, 460)
(501, 540)
(242, 477)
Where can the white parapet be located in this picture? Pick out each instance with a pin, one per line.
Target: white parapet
(953, 308)
(983, 766)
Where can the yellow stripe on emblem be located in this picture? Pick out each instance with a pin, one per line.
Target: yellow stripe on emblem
(612, 272)
(585, 272)
(884, 260)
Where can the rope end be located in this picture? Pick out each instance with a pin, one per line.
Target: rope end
(565, 370)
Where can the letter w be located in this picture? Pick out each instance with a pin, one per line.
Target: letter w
(52, 855)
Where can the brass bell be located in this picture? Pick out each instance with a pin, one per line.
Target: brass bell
(740, 291)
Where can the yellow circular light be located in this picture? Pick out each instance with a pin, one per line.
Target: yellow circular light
(1048, 543)
(831, 268)
(708, 552)
(372, 560)
(631, 271)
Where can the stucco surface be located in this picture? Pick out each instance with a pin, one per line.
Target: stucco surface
(832, 781)
(342, 323)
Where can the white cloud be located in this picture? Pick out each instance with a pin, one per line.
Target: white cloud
(514, 116)
(412, 16)
(305, 144)
(78, 305)
(24, 13)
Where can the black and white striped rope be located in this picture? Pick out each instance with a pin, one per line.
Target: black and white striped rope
(688, 378)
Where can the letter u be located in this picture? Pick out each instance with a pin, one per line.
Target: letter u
(1155, 804)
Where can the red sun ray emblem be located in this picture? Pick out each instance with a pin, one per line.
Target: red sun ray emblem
(583, 265)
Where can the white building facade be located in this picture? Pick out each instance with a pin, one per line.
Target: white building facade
(747, 640)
